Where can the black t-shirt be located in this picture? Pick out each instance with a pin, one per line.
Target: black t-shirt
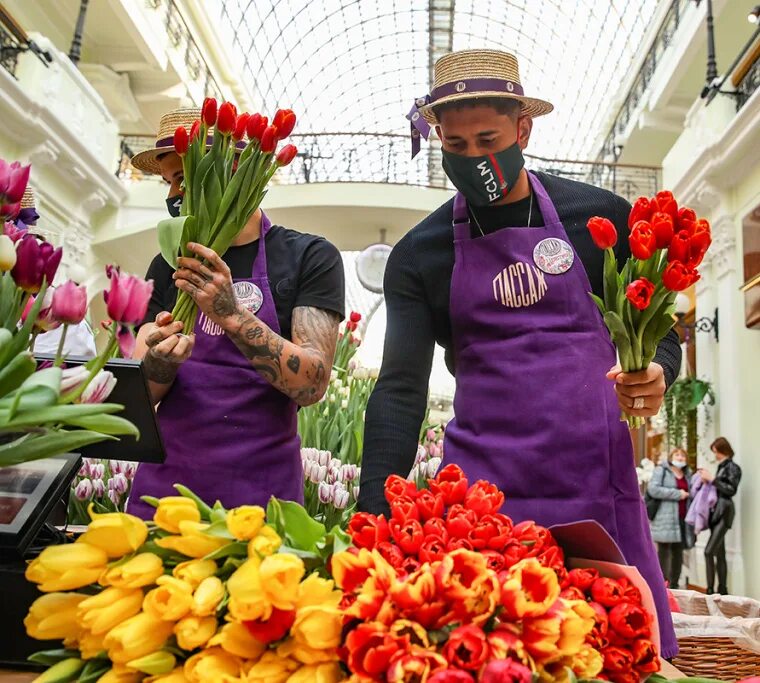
(417, 291)
(304, 270)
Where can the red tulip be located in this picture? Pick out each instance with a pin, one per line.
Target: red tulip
(274, 628)
(240, 127)
(367, 530)
(195, 131)
(678, 276)
(506, 671)
(582, 578)
(629, 621)
(181, 140)
(686, 218)
(256, 125)
(208, 112)
(269, 140)
(451, 676)
(699, 243)
(639, 293)
(286, 155)
(483, 498)
(617, 659)
(451, 483)
(429, 505)
(607, 592)
(404, 508)
(679, 247)
(13, 180)
(641, 210)
(662, 225)
(645, 658)
(396, 486)
(69, 303)
(642, 240)
(227, 119)
(128, 297)
(667, 204)
(369, 649)
(285, 121)
(466, 647)
(602, 232)
(35, 262)
(407, 535)
(355, 317)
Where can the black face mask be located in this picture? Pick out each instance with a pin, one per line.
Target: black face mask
(174, 205)
(485, 179)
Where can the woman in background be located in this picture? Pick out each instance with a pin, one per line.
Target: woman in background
(726, 481)
(670, 485)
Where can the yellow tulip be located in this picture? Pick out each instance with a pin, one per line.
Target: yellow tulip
(171, 600)
(209, 666)
(115, 532)
(317, 673)
(272, 668)
(280, 575)
(65, 670)
(248, 599)
(587, 663)
(155, 664)
(318, 627)
(208, 596)
(577, 622)
(65, 567)
(234, 638)
(193, 632)
(175, 509)
(194, 571)
(192, 541)
(314, 590)
(120, 674)
(176, 676)
(304, 654)
(101, 612)
(136, 637)
(245, 522)
(54, 616)
(91, 645)
(266, 543)
(141, 570)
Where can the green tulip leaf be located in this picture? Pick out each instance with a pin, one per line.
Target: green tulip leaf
(170, 237)
(94, 670)
(294, 524)
(106, 424)
(236, 549)
(54, 414)
(13, 375)
(37, 446)
(51, 657)
(21, 336)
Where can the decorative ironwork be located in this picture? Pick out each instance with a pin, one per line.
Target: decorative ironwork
(670, 23)
(748, 85)
(9, 51)
(76, 44)
(384, 158)
(704, 324)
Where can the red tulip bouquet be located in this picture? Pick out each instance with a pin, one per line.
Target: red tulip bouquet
(45, 411)
(224, 182)
(667, 244)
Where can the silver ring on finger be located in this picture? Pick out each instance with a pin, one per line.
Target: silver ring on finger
(638, 403)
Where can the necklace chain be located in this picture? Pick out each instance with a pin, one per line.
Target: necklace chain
(530, 214)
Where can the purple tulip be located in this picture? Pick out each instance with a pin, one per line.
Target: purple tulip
(325, 492)
(13, 181)
(84, 490)
(13, 231)
(128, 297)
(98, 470)
(98, 488)
(69, 303)
(129, 473)
(120, 483)
(35, 262)
(99, 389)
(117, 466)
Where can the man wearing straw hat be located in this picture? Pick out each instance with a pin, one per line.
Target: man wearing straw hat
(500, 277)
(228, 401)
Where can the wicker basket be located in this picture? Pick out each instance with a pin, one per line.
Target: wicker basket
(721, 657)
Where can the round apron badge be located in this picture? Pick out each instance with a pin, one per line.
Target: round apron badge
(553, 255)
(248, 294)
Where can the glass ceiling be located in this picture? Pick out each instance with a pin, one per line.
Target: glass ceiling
(357, 65)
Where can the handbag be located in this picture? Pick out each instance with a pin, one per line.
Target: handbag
(653, 504)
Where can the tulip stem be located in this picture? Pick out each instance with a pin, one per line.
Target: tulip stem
(59, 353)
(33, 342)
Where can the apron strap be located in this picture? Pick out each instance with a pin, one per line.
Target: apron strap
(545, 204)
(260, 262)
(461, 222)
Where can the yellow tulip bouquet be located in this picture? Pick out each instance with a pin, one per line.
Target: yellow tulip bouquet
(200, 594)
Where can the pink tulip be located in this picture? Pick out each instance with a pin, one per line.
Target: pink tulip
(13, 180)
(9, 211)
(45, 320)
(84, 490)
(98, 488)
(69, 303)
(71, 379)
(35, 262)
(120, 483)
(13, 231)
(127, 299)
(99, 389)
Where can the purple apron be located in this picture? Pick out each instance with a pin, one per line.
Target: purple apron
(229, 434)
(534, 412)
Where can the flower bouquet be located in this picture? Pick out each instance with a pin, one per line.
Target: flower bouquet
(46, 411)
(667, 244)
(224, 183)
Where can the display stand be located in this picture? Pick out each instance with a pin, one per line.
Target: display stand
(34, 498)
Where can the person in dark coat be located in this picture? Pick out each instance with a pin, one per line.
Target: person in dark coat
(726, 481)
(670, 485)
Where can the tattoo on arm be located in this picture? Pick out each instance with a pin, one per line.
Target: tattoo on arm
(225, 303)
(301, 368)
(158, 370)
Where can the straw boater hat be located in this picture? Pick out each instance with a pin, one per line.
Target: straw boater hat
(27, 201)
(469, 74)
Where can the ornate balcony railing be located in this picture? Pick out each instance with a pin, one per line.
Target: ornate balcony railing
(748, 84)
(13, 41)
(384, 158)
(662, 40)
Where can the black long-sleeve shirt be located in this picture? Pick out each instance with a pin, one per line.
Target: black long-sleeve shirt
(417, 289)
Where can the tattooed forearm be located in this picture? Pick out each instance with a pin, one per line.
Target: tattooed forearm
(158, 370)
(299, 368)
